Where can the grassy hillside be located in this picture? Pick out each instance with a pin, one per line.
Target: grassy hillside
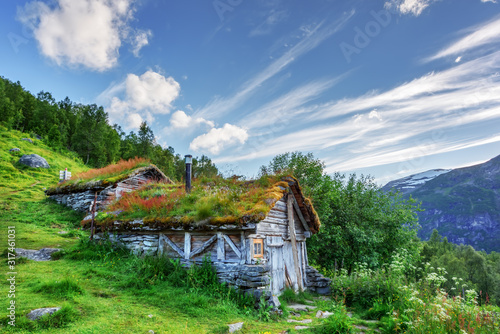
(101, 290)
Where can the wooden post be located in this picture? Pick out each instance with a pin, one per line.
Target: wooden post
(187, 245)
(221, 250)
(293, 239)
(93, 216)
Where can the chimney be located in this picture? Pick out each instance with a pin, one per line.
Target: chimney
(189, 163)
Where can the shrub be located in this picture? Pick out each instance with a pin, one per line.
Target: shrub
(339, 323)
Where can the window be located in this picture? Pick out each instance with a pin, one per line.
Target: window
(258, 248)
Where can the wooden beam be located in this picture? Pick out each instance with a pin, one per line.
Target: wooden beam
(232, 245)
(221, 250)
(291, 226)
(172, 245)
(187, 245)
(243, 248)
(299, 213)
(203, 247)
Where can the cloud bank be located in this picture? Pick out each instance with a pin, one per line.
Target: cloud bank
(86, 33)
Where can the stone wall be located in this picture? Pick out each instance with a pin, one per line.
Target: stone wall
(81, 201)
(139, 244)
(317, 282)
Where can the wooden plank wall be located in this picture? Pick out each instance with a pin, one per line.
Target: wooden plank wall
(195, 245)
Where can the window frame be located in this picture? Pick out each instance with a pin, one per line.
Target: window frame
(258, 241)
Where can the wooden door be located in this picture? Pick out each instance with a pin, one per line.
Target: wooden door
(276, 260)
(290, 272)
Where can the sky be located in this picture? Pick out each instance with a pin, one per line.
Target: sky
(387, 88)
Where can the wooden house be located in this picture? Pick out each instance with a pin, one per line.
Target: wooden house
(80, 194)
(255, 232)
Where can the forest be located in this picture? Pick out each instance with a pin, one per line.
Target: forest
(85, 131)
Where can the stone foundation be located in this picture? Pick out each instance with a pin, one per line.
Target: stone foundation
(82, 201)
(317, 282)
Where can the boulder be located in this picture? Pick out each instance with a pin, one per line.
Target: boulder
(28, 140)
(39, 312)
(34, 160)
(15, 149)
(323, 314)
(235, 327)
(44, 254)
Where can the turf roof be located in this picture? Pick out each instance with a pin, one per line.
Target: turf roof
(100, 178)
(212, 202)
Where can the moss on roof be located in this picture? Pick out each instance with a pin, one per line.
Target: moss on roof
(100, 178)
(211, 202)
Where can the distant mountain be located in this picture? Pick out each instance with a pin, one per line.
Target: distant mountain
(408, 184)
(463, 204)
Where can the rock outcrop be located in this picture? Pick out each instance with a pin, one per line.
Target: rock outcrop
(34, 161)
(40, 312)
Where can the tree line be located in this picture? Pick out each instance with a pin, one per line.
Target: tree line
(85, 129)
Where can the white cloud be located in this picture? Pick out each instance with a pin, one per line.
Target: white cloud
(493, 1)
(415, 7)
(180, 120)
(218, 139)
(140, 40)
(312, 38)
(145, 95)
(85, 33)
(266, 26)
(482, 35)
(440, 112)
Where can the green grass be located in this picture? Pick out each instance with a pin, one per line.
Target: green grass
(21, 183)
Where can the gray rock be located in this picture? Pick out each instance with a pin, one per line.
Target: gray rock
(323, 314)
(38, 313)
(301, 307)
(38, 137)
(15, 149)
(274, 301)
(301, 327)
(34, 160)
(28, 140)
(305, 321)
(235, 327)
(43, 254)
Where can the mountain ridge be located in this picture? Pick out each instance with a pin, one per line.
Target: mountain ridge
(463, 204)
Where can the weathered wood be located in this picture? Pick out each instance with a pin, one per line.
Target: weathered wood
(221, 251)
(291, 225)
(187, 245)
(275, 220)
(299, 214)
(303, 261)
(203, 247)
(243, 248)
(289, 283)
(232, 245)
(276, 214)
(172, 245)
(270, 228)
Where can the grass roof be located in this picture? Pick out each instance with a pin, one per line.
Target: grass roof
(212, 201)
(101, 178)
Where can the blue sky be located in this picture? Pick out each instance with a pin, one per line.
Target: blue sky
(387, 88)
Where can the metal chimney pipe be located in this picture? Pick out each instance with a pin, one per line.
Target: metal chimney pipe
(189, 163)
